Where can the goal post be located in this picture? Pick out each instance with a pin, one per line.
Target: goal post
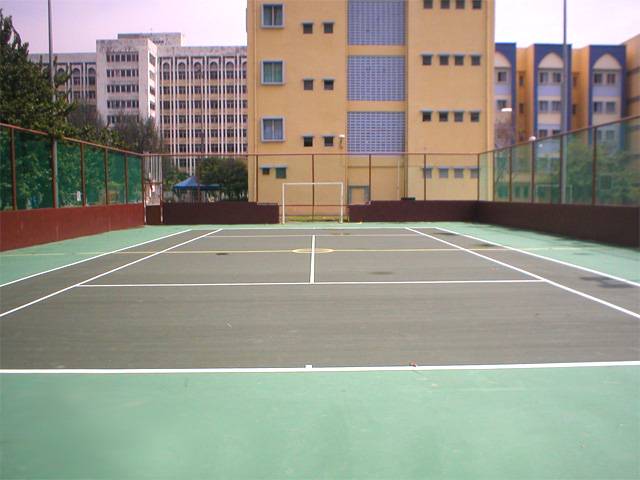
(311, 184)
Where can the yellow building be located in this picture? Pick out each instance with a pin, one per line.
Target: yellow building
(340, 90)
(633, 75)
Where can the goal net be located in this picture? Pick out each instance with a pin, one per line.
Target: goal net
(312, 200)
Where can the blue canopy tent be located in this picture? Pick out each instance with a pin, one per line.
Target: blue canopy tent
(193, 189)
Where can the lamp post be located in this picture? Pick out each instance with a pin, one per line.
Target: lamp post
(566, 101)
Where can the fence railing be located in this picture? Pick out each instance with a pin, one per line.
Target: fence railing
(83, 174)
(598, 165)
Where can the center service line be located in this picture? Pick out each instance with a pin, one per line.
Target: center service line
(38, 300)
(312, 273)
(546, 280)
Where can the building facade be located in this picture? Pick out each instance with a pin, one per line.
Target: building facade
(632, 47)
(342, 79)
(196, 95)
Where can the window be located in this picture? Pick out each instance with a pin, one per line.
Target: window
(502, 76)
(475, 116)
(308, 83)
(443, 116)
(428, 4)
(474, 172)
(445, 4)
(428, 172)
(574, 109)
(597, 107)
(458, 60)
(475, 60)
(542, 133)
(273, 129)
(426, 116)
(458, 172)
(543, 106)
(327, 27)
(426, 59)
(501, 104)
(328, 84)
(444, 59)
(610, 107)
(597, 78)
(556, 77)
(272, 16)
(556, 106)
(611, 78)
(458, 116)
(307, 27)
(307, 141)
(610, 135)
(328, 140)
(272, 73)
(460, 4)
(543, 77)
(265, 170)
(281, 172)
(476, 4)
(575, 80)
(443, 172)
(555, 132)
(521, 80)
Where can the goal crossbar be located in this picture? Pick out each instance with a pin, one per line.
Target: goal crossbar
(341, 184)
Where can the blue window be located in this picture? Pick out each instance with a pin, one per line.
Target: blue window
(273, 15)
(273, 129)
(273, 72)
(376, 132)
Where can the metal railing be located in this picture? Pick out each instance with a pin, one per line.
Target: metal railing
(84, 173)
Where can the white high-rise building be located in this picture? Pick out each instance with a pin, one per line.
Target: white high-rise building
(197, 95)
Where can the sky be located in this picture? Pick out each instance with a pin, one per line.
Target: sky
(77, 24)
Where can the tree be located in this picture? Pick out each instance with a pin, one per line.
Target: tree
(27, 98)
(138, 135)
(229, 173)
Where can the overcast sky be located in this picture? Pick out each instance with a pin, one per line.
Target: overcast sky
(78, 23)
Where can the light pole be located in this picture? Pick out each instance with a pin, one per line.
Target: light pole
(566, 101)
(54, 143)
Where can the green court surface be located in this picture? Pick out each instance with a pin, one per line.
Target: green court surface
(109, 375)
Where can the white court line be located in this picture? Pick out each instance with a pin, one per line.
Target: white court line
(550, 282)
(276, 284)
(309, 369)
(527, 252)
(38, 300)
(93, 258)
(312, 274)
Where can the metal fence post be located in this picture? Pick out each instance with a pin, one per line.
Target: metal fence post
(14, 185)
(83, 180)
(313, 187)
(106, 177)
(54, 171)
(594, 167)
(370, 186)
(424, 177)
(533, 171)
(126, 180)
(510, 175)
(478, 170)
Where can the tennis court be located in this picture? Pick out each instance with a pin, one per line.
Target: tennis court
(331, 351)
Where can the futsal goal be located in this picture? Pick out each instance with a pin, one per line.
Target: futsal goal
(323, 199)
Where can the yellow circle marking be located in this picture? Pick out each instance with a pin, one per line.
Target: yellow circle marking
(317, 250)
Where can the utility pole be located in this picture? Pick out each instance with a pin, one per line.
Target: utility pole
(54, 143)
(566, 101)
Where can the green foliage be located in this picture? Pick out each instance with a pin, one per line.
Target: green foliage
(27, 98)
(138, 135)
(230, 173)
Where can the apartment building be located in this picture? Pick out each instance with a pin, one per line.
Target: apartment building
(342, 79)
(196, 95)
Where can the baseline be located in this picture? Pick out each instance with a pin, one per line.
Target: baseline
(312, 369)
